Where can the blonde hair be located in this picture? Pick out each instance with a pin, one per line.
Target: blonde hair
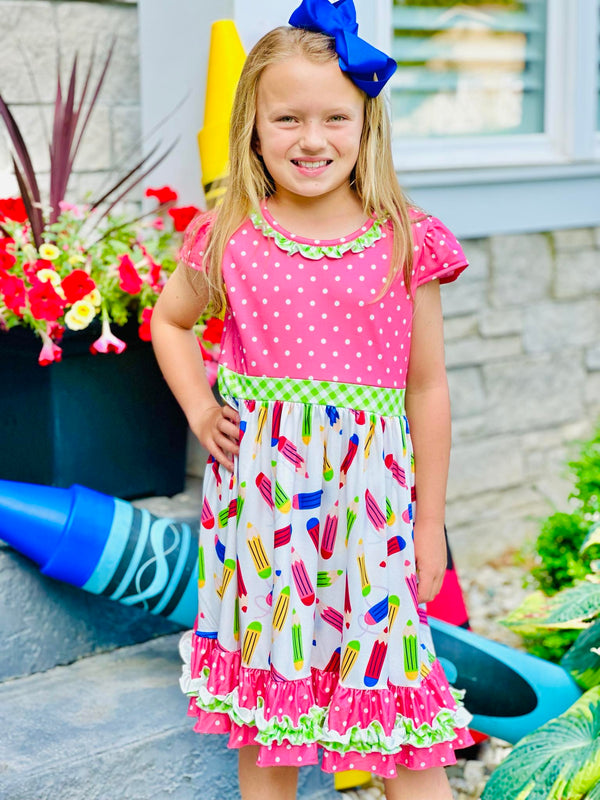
(374, 178)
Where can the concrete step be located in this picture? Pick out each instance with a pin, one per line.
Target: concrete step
(114, 727)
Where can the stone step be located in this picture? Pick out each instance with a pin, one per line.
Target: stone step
(44, 623)
(114, 727)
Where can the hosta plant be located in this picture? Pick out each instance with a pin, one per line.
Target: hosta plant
(561, 759)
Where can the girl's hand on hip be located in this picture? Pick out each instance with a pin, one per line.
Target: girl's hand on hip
(430, 558)
(218, 430)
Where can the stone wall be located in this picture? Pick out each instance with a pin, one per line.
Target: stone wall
(32, 33)
(523, 353)
(522, 323)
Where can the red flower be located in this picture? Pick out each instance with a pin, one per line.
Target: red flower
(144, 329)
(183, 216)
(15, 294)
(7, 257)
(129, 279)
(213, 330)
(31, 270)
(164, 195)
(50, 351)
(44, 302)
(76, 285)
(13, 208)
(107, 342)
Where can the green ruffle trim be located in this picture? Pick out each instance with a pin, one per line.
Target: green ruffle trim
(314, 251)
(312, 727)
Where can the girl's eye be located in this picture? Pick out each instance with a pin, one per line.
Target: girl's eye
(337, 118)
(285, 119)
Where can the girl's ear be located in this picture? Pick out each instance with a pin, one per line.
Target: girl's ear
(256, 143)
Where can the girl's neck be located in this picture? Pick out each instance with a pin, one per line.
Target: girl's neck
(313, 219)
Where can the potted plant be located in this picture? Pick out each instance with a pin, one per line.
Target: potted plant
(83, 400)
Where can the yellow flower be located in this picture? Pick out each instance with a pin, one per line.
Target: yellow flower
(49, 252)
(76, 259)
(94, 297)
(80, 315)
(51, 276)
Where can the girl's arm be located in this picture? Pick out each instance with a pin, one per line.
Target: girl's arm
(180, 359)
(428, 412)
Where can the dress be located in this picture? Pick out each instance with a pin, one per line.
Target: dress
(309, 636)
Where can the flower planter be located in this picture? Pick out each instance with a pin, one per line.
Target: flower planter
(104, 421)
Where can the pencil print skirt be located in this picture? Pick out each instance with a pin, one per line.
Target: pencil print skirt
(309, 636)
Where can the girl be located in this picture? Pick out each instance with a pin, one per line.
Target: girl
(314, 557)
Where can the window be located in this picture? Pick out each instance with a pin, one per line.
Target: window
(468, 68)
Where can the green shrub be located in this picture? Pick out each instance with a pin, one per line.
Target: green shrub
(558, 545)
(560, 562)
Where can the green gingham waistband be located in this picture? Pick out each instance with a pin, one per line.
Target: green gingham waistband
(384, 401)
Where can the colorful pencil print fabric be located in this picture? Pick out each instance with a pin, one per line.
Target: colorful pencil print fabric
(309, 635)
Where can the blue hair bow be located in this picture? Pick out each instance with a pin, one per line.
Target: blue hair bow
(365, 65)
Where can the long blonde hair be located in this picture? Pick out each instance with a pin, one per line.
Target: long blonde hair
(374, 179)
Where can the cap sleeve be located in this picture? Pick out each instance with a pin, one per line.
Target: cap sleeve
(440, 257)
(195, 240)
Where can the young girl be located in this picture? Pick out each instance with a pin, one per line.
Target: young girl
(314, 556)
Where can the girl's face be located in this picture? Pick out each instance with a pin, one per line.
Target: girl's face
(309, 120)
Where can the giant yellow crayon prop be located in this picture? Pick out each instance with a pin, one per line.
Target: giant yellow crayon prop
(225, 60)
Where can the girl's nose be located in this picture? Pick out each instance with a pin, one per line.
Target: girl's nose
(312, 136)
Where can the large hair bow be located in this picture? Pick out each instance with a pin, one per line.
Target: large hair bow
(365, 65)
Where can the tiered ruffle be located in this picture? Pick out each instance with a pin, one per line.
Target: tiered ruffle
(371, 730)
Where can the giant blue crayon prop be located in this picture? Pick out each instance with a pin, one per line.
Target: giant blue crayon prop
(106, 546)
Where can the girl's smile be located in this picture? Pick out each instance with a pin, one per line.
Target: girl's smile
(309, 121)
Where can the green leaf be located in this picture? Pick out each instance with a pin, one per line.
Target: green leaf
(572, 606)
(558, 761)
(529, 618)
(593, 538)
(594, 794)
(581, 661)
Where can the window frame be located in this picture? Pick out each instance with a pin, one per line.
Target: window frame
(524, 182)
(570, 97)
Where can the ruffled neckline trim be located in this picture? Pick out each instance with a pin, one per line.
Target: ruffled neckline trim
(372, 231)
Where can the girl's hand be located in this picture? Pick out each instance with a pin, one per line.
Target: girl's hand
(430, 557)
(218, 430)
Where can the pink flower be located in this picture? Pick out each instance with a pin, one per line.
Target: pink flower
(108, 342)
(129, 279)
(50, 351)
(76, 211)
(158, 224)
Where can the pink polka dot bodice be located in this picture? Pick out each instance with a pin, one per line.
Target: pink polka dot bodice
(309, 309)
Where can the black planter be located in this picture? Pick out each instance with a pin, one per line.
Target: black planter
(108, 422)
